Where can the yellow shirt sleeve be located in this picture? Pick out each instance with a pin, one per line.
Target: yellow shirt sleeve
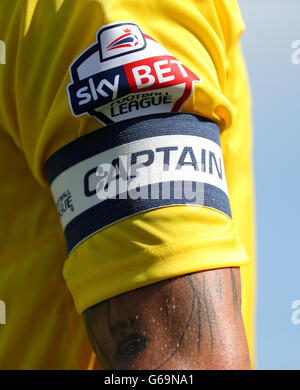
(43, 39)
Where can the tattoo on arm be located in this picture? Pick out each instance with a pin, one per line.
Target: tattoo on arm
(199, 308)
(186, 329)
(174, 323)
(207, 312)
(130, 345)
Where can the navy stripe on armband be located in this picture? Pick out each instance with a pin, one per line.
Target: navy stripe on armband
(137, 165)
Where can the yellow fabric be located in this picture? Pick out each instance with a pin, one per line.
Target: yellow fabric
(43, 37)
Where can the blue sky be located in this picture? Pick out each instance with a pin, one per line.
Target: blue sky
(272, 26)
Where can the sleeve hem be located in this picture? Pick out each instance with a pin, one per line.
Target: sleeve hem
(151, 266)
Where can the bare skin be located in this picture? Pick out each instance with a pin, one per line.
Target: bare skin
(189, 322)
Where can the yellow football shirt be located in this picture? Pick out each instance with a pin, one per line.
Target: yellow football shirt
(39, 115)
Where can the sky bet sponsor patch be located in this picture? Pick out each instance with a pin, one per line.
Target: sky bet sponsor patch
(127, 74)
(134, 166)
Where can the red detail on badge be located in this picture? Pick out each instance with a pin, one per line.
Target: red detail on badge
(160, 72)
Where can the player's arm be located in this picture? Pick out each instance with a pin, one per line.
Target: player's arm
(189, 322)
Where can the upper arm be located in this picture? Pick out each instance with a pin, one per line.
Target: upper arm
(189, 322)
